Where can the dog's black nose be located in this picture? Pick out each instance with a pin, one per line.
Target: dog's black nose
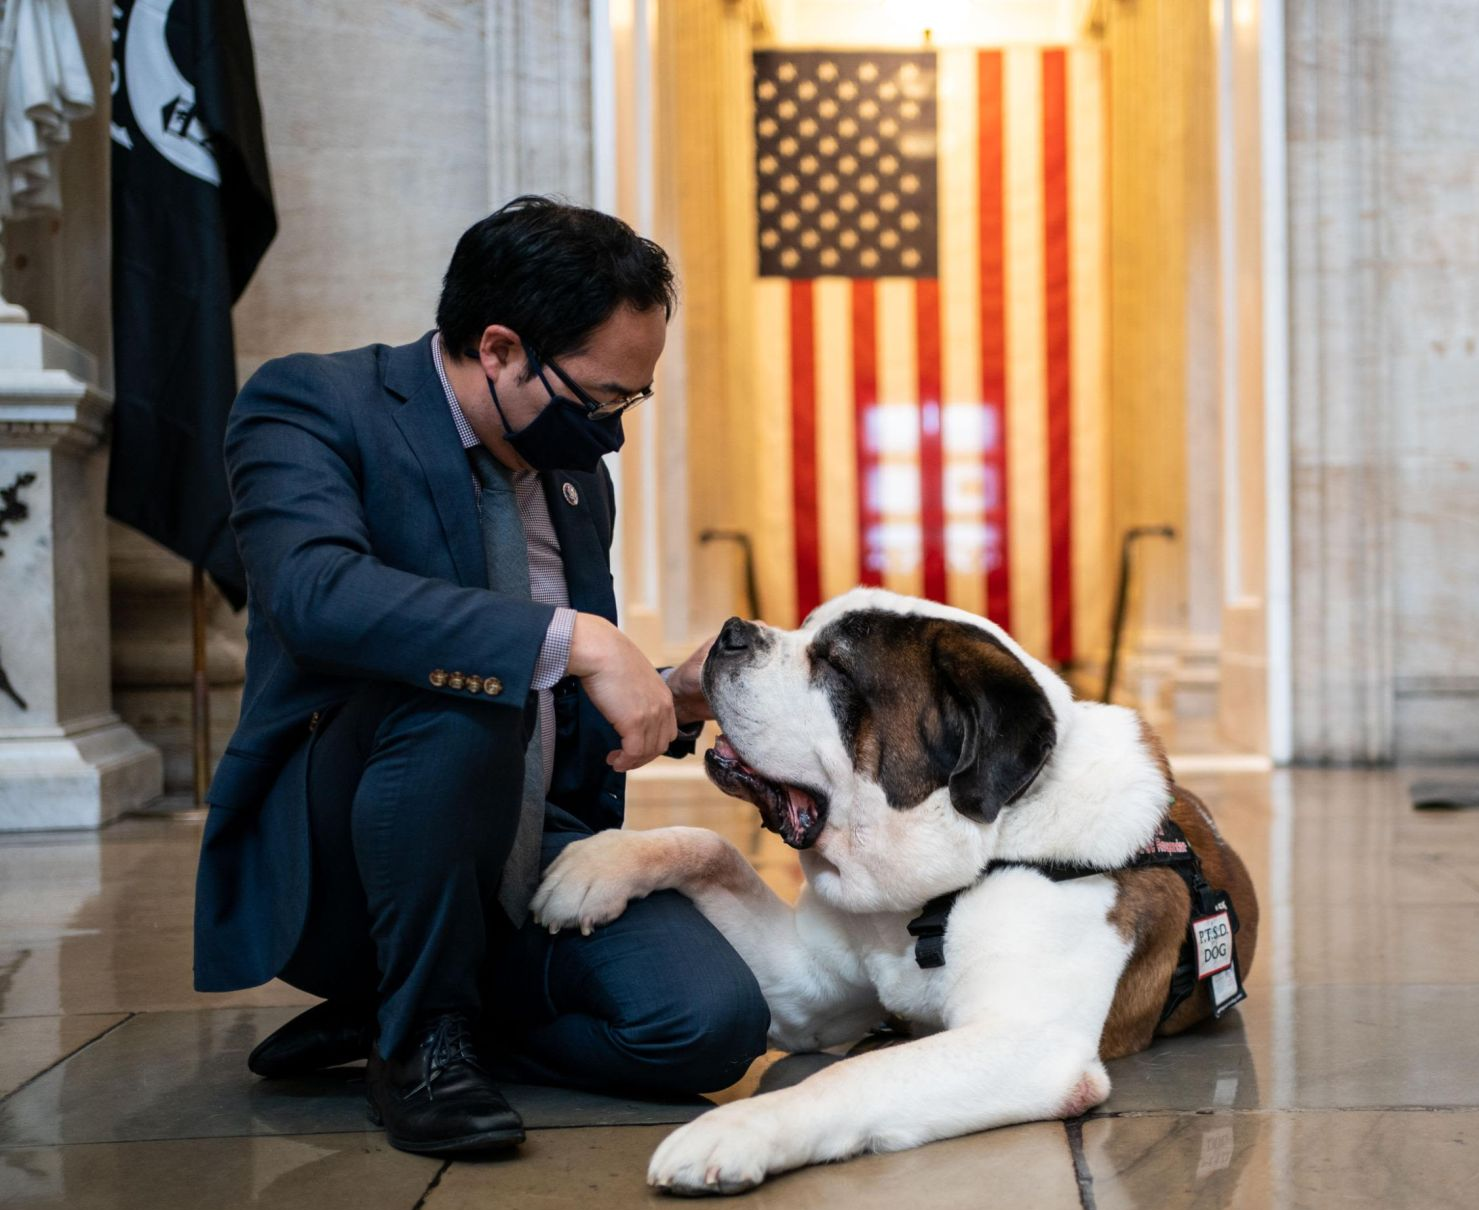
(737, 636)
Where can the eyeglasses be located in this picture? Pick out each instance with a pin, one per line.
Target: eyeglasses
(594, 409)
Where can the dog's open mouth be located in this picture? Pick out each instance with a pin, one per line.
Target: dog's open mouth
(798, 815)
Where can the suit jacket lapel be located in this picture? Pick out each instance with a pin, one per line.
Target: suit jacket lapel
(426, 423)
(587, 568)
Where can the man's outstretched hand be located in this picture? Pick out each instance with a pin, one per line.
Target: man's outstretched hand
(625, 688)
(686, 682)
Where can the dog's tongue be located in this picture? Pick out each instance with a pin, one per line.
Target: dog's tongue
(802, 809)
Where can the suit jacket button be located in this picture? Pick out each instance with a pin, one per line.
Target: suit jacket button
(492, 686)
(438, 677)
(456, 680)
(474, 684)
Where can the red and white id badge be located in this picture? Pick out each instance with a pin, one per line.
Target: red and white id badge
(1212, 938)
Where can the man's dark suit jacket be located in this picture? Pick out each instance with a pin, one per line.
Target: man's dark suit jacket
(354, 510)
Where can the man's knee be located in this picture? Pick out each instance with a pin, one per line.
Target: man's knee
(708, 1027)
(733, 1035)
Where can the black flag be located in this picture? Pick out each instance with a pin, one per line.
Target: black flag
(192, 216)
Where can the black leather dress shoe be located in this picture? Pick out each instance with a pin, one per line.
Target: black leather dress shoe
(327, 1035)
(434, 1097)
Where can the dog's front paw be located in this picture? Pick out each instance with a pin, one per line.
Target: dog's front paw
(728, 1150)
(592, 881)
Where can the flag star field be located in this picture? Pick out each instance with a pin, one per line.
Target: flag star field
(845, 158)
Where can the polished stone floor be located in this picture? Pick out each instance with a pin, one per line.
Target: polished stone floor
(1350, 1078)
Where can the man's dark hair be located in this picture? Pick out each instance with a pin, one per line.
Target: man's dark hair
(550, 271)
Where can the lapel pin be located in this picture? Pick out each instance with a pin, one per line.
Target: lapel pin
(571, 495)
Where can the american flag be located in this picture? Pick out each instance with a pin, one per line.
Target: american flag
(931, 313)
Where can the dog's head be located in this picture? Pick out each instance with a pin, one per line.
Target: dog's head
(883, 739)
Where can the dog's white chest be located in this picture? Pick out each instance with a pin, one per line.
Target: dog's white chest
(904, 988)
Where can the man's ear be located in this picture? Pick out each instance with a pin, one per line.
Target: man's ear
(500, 346)
(1007, 726)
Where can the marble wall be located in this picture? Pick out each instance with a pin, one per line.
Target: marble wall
(392, 125)
(1384, 247)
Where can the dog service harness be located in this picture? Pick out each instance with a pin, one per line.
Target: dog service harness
(1207, 952)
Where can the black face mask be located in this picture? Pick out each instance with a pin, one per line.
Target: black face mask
(563, 437)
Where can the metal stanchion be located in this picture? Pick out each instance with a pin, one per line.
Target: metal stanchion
(1121, 597)
(742, 540)
(200, 702)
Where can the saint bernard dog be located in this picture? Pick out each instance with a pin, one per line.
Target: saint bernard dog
(933, 777)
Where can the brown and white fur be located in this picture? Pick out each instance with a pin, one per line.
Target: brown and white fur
(902, 745)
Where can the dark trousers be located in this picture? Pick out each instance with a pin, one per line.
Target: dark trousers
(413, 800)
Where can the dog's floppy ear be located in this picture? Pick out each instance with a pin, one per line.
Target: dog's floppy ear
(1007, 726)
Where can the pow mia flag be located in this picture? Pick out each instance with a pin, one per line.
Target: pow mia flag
(192, 216)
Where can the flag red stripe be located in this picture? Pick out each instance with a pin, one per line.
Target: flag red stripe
(992, 278)
(1058, 351)
(931, 440)
(804, 522)
(865, 399)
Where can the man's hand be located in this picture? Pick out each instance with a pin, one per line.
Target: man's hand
(625, 688)
(686, 682)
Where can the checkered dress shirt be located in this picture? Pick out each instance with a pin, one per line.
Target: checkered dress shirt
(546, 574)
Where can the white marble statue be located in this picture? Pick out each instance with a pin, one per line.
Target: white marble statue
(44, 88)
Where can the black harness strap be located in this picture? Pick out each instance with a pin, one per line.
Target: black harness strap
(1169, 848)
(928, 929)
(1204, 901)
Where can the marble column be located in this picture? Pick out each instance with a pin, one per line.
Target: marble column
(1383, 156)
(1239, 541)
(1162, 216)
(706, 146)
(66, 759)
(1341, 406)
(1196, 681)
(539, 98)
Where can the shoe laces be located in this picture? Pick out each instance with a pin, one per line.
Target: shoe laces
(450, 1043)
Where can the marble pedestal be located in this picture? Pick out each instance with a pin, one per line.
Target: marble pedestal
(66, 759)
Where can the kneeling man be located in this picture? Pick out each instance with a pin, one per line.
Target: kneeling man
(438, 701)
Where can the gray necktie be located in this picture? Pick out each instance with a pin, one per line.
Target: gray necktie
(507, 553)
